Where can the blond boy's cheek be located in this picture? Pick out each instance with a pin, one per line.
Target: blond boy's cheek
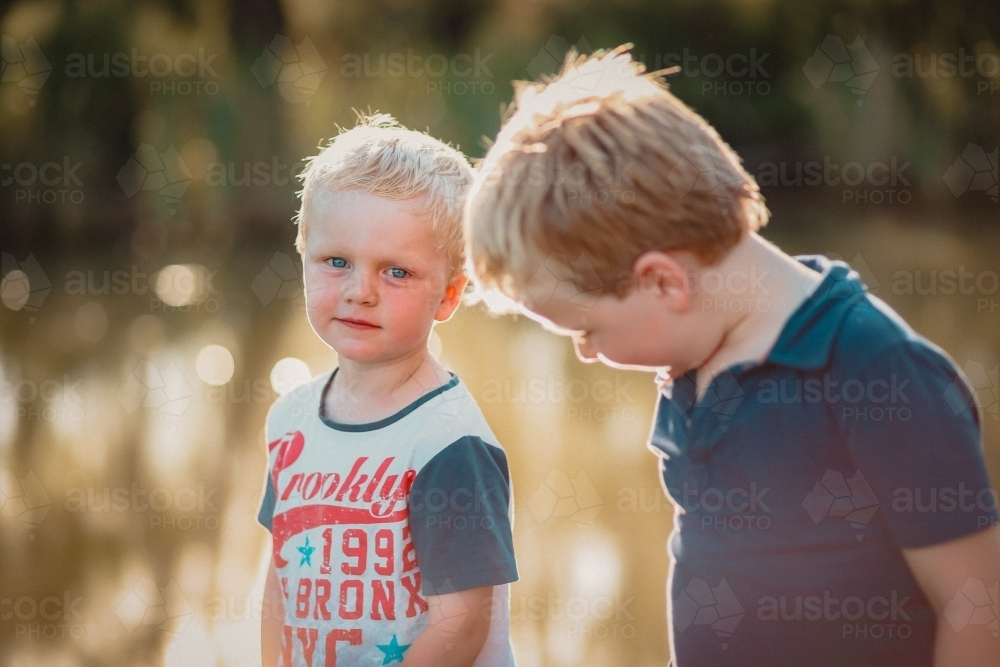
(318, 291)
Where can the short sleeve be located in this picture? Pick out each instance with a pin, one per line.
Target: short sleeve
(914, 436)
(265, 515)
(460, 518)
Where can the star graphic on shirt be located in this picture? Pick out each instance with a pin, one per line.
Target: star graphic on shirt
(393, 651)
(307, 552)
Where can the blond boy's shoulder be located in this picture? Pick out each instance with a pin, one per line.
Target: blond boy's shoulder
(297, 403)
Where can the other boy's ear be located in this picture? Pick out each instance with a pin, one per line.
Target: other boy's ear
(663, 275)
(452, 296)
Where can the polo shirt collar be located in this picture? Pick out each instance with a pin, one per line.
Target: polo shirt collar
(807, 338)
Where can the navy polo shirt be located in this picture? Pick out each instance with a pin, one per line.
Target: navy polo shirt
(798, 480)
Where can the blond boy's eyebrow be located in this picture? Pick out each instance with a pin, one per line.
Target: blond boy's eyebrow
(403, 258)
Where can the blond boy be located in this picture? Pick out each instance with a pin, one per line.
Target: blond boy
(616, 215)
(387, 495)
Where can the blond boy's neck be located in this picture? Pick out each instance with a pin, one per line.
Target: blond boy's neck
(363, 392)
(783, 285)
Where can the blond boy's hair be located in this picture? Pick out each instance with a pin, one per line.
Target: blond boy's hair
(381, 157)
(597, 167)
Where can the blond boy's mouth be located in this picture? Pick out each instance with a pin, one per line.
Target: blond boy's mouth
(356, 324)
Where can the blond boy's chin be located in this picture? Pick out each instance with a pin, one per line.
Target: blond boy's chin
(375, 356)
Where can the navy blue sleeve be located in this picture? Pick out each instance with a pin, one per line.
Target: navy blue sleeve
(918, 446)
(460, 518)
(265, 514)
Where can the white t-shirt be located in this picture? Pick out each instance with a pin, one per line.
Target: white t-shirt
(367, 520)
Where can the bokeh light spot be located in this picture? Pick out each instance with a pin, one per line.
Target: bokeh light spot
(179, 284)
(288, 374)
(215, 365)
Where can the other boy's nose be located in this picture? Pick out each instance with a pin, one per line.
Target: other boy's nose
(585, 352)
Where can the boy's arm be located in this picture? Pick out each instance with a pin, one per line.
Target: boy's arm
(970, 563)
(465, 547)
(456, 630)
(272, 619)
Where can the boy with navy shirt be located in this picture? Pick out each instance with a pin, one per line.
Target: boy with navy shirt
(387, 496)
(832, 503)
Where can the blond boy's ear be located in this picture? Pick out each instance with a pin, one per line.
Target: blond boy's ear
(664, 275)
(452, 296)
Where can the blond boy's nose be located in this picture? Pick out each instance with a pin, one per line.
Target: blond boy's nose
(360, 290)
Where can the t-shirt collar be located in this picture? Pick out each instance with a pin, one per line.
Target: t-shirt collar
(807, 339)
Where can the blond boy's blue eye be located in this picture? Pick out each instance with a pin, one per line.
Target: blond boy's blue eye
(397, 272)
(338, 263)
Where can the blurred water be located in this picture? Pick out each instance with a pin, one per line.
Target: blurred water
(143, 336)
(132, 470)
